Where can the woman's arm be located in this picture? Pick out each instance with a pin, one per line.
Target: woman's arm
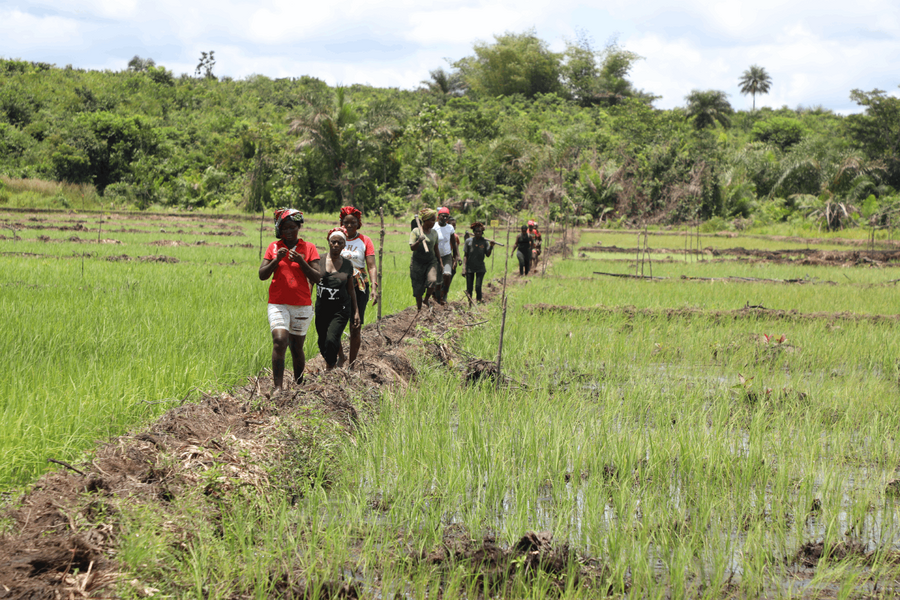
(269, 265)
(351, 289)
(415, 238)
(373, 278)
(310, 269)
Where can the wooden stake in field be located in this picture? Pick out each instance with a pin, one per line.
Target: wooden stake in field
(492, 254)
(262, 224)
(380, 256)
(503, 306)
(643, 253)
(549, 246)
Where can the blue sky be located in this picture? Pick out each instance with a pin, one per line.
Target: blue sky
(815, 52)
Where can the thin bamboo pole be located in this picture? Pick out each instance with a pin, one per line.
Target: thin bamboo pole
(262, 224)
(503, 305)
(380, 257)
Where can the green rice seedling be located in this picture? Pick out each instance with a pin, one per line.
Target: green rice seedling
(92, 347)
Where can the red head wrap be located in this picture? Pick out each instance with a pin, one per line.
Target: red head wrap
(287, 213)
(351, 210)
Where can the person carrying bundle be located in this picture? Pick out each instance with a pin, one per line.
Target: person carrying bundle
(423, 266)
(476, 250)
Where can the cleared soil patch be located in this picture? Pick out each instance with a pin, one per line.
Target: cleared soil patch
(748, 312)
(794, 239)
(842, 258)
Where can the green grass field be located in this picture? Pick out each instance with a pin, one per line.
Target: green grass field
(686, 448)
(93, 344)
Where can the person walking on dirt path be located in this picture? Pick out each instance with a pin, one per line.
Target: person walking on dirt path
(336, 300)
(476, 250)
(423, 266)
(292, 264)
(522, 251)
(449, 253)
(360, 251)
(535, 244)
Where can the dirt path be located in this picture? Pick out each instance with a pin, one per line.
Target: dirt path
(841, 258)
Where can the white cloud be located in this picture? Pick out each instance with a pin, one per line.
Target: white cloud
(21, 31)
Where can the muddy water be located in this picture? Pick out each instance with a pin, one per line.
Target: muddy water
(878, 529)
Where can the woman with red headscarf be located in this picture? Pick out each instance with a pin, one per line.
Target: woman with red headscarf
(292, 264)
(360, 251)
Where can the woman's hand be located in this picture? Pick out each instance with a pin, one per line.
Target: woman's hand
(356, 321)
(282, 252)
(373, 296)
(295, 256)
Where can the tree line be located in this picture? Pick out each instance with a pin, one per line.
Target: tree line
(511, 127)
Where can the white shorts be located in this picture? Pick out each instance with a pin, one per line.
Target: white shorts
(295, 319)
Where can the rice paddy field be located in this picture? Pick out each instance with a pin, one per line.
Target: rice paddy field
(110, 319)
(724, 428)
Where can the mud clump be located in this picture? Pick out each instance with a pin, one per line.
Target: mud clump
(496, 567)
(156, 258)
(480, 370)
(811, 553)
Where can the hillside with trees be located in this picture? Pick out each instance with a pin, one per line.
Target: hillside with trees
(511, 127)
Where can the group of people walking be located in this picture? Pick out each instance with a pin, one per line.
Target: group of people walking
(345, 284)
(346, 279)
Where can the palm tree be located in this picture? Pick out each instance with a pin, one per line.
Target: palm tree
(347, 137)
(706, 108)
(755, 81)
(444, 83)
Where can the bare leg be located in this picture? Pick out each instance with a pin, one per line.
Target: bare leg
(355, 343)
(279, 348)
(298, 358)
(445, 289)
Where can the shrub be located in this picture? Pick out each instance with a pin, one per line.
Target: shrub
(783, 132)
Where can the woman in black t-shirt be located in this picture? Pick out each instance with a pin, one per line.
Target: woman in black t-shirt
(335, 298)
(522, 251)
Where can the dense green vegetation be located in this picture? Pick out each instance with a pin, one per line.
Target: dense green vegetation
(512, 127)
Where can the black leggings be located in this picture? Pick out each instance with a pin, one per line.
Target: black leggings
(476, 279)
(331, 320)
(524, 262)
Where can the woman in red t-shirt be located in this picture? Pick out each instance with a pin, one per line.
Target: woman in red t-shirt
(295, 265)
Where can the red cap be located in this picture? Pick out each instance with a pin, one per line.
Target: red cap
(443, 210)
